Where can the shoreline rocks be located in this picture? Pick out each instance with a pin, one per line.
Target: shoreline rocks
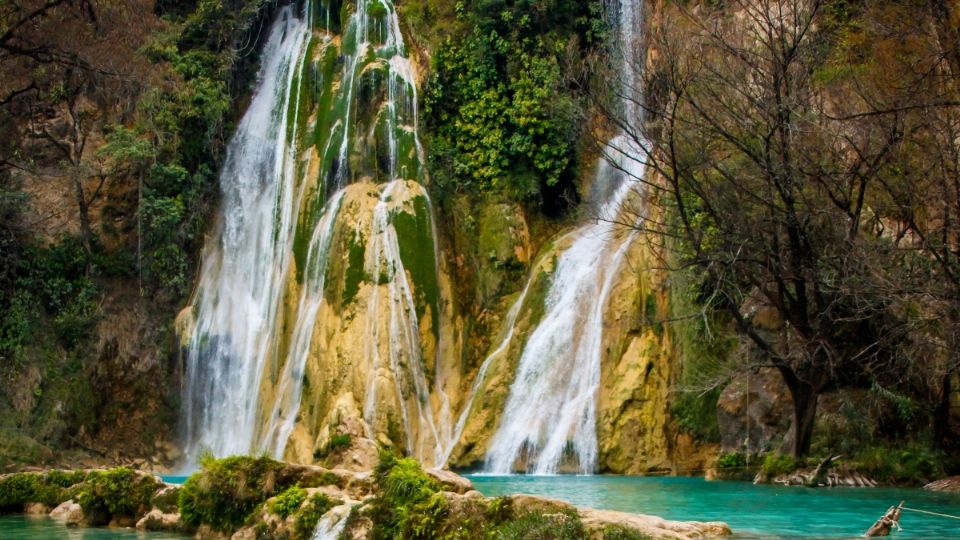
(295, 498)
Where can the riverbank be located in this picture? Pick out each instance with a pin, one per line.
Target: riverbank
(245, 498)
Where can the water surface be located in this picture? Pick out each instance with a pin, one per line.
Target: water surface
(752, 511)
(44, 528)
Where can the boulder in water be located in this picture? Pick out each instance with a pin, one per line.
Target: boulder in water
(70, 513)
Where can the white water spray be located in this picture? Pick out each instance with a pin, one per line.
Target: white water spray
(244, 263)
(550, 414)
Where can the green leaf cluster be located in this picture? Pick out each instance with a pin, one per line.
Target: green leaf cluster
(117, 492)
(225, 492)
(51, 488)
(502, 112)
(289, 501)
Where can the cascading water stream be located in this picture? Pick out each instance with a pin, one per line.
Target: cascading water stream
(551, 408)
(400, 328)
(241, 279)
(316, 124)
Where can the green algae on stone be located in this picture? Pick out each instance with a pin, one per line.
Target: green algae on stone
(418, 254)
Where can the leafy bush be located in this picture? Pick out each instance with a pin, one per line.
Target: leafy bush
(339, 441)
(117, 492)
(409, 503)
(289, 501)
(308, 516)
(226, 491)
(18, 489)
(731, 460)
(775, 464)
(911, 465)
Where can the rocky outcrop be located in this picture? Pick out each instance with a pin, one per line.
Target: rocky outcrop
(157, 520)
(946, 485)
(753, 413)
(596, 521)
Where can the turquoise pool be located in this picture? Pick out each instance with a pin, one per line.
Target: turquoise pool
(752, 511)
(25, 528)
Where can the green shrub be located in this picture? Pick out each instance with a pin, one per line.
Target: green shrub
(17, 490)
(409, 503)
(775, 464)
(226, 491)
(536, 526)
(339, 441)
(911, 465)
(731, 460)
(50, 489)
(117, 492)
(289, 501)
(308, 516)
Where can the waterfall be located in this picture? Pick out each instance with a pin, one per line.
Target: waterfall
(399, 331)
(244, 262)
(550, 414)
(328, 113)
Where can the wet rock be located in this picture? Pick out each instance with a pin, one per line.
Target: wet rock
(69, 513)
(947, 485)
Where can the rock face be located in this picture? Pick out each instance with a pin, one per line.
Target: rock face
(753, 413)
(946, 485)
(70, 513)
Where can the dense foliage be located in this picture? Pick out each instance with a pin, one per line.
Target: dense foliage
(50, 488)
(501, 102)
(226, 491)
(116, 492)
(120, 114)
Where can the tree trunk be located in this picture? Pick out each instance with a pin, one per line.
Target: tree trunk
(804, 397)
(943, 435)
(85, 232)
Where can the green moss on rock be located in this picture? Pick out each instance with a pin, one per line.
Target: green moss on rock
(119, 492)
(418, 254)
(226, 491)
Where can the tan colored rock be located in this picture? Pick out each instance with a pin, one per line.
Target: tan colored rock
(36, 509)
(342, 385)
(157, 520)
(246, 533)
(70, 513)
(950, 484)
(655, 527)
(525, 504)
(450, 481)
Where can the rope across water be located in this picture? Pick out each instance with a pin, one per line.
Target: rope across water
(930, 513)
